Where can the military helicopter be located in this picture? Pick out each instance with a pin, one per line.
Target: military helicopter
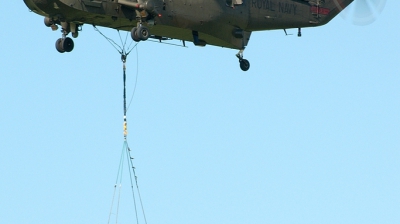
(224, 23)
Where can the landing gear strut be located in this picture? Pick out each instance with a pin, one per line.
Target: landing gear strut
(64, 44)
(244, 64)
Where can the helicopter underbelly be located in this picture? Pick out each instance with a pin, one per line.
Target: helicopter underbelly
(177, 21)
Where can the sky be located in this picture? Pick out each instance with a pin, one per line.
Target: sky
(310, 134)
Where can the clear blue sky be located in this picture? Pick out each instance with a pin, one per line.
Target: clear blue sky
(310, 134)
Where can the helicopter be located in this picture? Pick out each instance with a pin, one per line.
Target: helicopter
(224, 23)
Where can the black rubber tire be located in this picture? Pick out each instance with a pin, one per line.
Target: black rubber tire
(244, 64)
(134, 34)
(68, 44)
(143, 33)
(59, 46)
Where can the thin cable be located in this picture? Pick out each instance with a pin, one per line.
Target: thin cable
(130, 175)
(123, 45)
(121, 162)
(119, 199)
(124, 53)
(126, 39)
(129, 50)
(137, 185)
(136, 79)
(112, 204)
(120, 182)
(119, 177)
(112, 42)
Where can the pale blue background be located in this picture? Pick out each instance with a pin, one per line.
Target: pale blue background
(310, 134)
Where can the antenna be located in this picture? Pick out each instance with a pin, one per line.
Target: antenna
(287, 33)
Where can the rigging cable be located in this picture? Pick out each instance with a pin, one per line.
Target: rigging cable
(128, 151)
(136, 79)
(130, 176)
(119, 177)
(137, 185)
(124, 52)
(123, 57)
(121, 50)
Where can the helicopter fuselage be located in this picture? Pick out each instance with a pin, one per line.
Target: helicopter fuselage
(224, 23)
(215, 20)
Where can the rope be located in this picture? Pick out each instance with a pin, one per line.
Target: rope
(121, 50)
(119, 178)
(119, 199)
(129, 159)
(128, 150)
(112, 204)
(137, 185)
(124, 52)
(123, 57)
(112, 42)
(132, 174)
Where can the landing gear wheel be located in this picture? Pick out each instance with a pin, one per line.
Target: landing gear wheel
(59, 46)
(64, 45)
(143, 33)
(68, 44)
(134, 34)
(244, 64)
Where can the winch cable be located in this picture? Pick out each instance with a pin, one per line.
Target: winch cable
(124, 52)
(128, 151)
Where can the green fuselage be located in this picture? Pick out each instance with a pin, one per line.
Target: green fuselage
(216, 21)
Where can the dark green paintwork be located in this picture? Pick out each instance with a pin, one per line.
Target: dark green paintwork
(213, 19)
